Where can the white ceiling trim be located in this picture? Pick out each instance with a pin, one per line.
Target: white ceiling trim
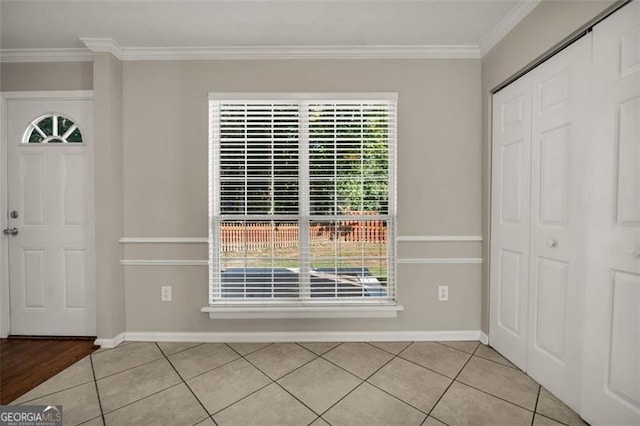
(46, 55)
(514, 17)
(279, 52)
(98, 45)
(101, 45)
(301, 52)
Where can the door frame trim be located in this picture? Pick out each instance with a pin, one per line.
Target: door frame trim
(5, 97)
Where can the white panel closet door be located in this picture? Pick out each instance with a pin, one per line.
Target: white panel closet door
(611, 366)
(560, 129)
(511, 153)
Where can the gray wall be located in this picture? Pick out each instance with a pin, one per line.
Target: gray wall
(109, 221)
(46, 76)
(548, 24)
(165, 182)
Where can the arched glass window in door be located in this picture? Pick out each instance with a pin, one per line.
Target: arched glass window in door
(53, 129)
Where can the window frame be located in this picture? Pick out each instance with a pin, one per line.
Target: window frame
(62, 139)
(218, 307)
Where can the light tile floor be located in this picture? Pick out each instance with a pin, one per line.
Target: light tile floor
(379, 383)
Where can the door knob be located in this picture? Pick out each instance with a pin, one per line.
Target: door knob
(552, 242)
(635, 252)
(10, 231)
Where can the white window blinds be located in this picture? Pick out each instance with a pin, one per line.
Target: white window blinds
(302, 198)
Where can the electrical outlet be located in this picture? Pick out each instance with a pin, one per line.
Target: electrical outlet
(166, 293)
(443, 293)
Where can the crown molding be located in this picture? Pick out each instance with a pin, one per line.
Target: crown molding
(517, 14)
(300, 52)
(100, 45)
(45, 55)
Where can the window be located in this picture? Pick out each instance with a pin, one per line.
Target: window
(302, 199)
(52, 129)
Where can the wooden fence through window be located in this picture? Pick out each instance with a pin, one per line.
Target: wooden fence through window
(236, 236)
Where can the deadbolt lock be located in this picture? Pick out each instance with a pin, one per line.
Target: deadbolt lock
(13, 214)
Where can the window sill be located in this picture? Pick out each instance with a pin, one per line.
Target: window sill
(274, 312)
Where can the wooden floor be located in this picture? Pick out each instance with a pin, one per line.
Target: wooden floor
(25, 363)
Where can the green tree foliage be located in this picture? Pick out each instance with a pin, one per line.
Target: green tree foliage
(348, 159)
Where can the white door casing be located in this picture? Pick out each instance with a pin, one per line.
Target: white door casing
(560, 129)
(510, 206)
(611, 365)
(51, 259)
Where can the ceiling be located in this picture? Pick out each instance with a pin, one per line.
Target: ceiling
(48, 24)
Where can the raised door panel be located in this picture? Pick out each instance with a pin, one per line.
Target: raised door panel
(33, 192)
(75, 278)
(34, 262)
(511, 195)
(554, 148)
(509, 296)
(74, 192)
(628, 170)
(623, 370)
(550, 331)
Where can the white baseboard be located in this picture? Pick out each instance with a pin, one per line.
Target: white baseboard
(303, 336)
(110, 343)
(484, 339)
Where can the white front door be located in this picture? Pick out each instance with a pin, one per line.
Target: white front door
(50, 217)
(560, 130)
(612, 310)
(511, 169)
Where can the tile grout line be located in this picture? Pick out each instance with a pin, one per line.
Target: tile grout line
(363, 380)
(175, 353)
(449, 387)
(496, 396)
(95, 384)
(130, 368)
(389, 352)
(271, 381)
(499, 363)
(302, 345)
(212, 369)
(249, 353)
(535, 412)
(151, 394)
(394, 356)
(480, 356)
(186, 384)
(558, 421)
(397, 397)
(483, 391)
(459, 350)
(422, 366)
(143, 398)
(316, 356)
(95, 379)
(535, 407)
(48, 394)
